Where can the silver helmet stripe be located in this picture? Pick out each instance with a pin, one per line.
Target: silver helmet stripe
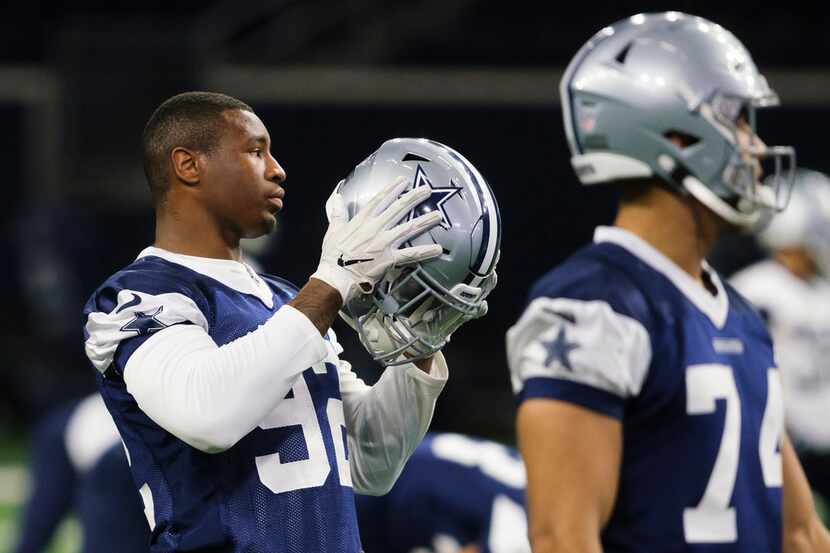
(565, 90)
(487, 256)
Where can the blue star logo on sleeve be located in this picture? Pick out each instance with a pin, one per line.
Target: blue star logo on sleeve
(559, 350)
(437, 199)
(144, 324)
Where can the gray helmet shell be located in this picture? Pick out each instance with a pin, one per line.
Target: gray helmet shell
(408, 299)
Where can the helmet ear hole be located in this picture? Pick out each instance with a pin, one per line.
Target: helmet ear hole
(681, 139)
(623, 54)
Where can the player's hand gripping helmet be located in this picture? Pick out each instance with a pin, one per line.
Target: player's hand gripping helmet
(806, 220)
(656, 75)
(416, 308)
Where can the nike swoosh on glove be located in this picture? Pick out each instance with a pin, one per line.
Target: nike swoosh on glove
(358, 252)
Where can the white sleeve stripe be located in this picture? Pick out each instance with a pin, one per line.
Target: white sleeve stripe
(581, 341)
(107, 330)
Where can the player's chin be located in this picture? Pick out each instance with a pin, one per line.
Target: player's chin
(266, 224)
(269, 223)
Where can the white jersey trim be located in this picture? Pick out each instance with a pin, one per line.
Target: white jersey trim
(233, 274)
(107, 330)
(716, 308)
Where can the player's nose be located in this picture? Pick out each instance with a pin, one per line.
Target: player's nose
(274, 171)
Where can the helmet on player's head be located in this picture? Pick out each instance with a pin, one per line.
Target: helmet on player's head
(651, 77)
(416, 308)
(806, 220)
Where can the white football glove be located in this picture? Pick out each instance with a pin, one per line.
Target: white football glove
(358, 252)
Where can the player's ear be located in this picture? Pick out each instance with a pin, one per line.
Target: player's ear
(186, 165)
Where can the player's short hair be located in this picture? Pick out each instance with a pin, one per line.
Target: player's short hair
(190, 120)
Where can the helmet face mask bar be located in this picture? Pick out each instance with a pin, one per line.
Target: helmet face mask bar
(414, 309)
(751, 161)
(412, 316)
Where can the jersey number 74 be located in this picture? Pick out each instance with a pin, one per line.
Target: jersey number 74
(713, 520)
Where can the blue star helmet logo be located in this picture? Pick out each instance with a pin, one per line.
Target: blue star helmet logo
(437, 199)
(559, 349)
(144, 324)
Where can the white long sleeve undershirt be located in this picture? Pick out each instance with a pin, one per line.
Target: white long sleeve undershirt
(211, 396)
(387, 421)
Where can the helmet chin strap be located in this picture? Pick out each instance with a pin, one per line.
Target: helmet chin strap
(602, 167)
(711, 200)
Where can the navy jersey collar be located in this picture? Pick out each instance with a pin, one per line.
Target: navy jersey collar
(714, 307)
(233, 274)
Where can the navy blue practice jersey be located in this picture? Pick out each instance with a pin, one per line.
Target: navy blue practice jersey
(620, 330)
(455, 491)
(278, 489)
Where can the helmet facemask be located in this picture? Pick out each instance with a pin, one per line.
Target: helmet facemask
(410, 315)
(750, 197)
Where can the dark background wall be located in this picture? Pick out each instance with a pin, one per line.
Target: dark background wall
(76, 207)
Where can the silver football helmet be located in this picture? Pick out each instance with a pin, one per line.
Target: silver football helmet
(806, 220)
(651, 76)
(413, 311)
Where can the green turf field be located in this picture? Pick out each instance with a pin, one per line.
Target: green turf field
(67, 539)
(13, 490)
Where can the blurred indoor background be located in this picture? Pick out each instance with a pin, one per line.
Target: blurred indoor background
(332, 81)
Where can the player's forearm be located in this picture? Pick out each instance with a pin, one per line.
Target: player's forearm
(560, 528)
(319, 302)
(387, 421)
(209, 396)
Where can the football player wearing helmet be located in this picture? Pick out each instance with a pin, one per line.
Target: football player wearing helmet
(469, 496)
(792, 291)
(244, 429)
(650, 414)
(414, 309)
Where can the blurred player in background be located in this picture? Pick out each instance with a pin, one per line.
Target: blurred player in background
(78, 464)
(109, 508)
(457, 494)
(244, 429)
(792, 291)
(650, 413)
